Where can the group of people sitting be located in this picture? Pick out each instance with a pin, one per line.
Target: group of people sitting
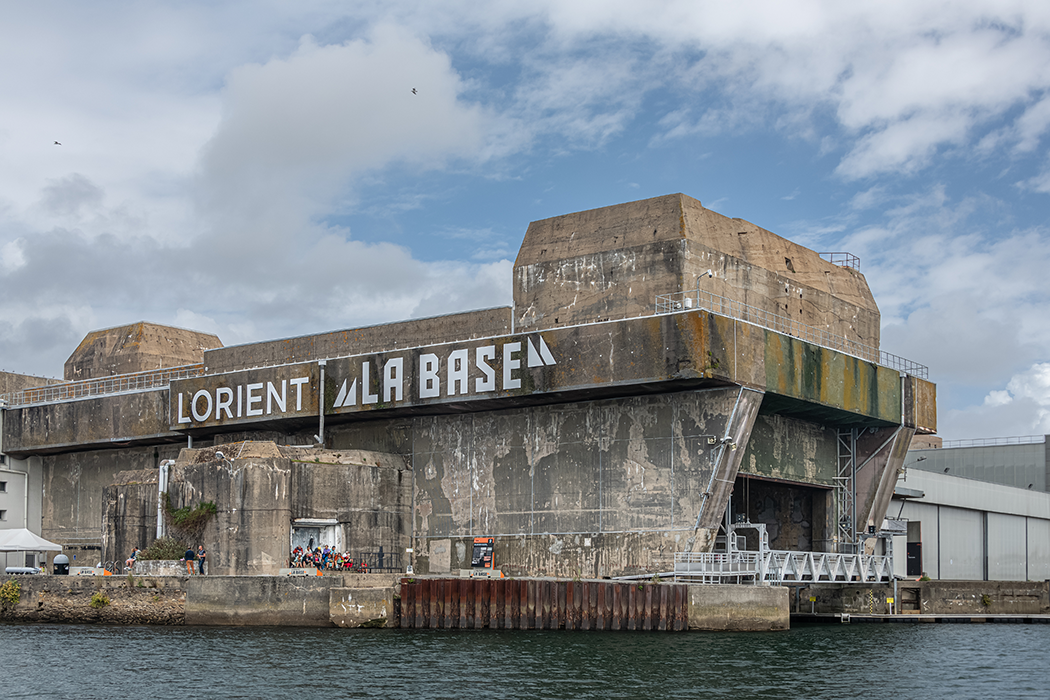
(328, 559)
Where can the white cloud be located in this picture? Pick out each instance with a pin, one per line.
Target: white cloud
(1023, 408)
(237, 248)
(212, 154)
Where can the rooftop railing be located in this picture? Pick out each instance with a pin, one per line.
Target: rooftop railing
(119, 384)
(723, 306)
(843, 260)
(665, 303)
(992, 442)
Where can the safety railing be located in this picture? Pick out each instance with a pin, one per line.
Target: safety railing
(843, 260)
(665, 303)
(779, 567)
(993, 442)
(730, 308)
(717, 567)
(119, 384)
(788, 567)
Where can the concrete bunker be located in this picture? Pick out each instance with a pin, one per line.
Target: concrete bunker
(587, 429)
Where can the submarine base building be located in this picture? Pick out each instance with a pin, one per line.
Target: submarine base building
(664, 370)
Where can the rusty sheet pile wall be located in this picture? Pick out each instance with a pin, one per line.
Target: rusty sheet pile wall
(541, 604)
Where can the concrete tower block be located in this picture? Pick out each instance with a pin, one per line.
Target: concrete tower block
(610, 263)
(137, 347)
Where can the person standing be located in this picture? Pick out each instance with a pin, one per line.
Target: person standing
(201, 554)
(188, 557)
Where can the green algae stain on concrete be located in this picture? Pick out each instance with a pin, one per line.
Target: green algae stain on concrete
(815, 374)
(785, 448)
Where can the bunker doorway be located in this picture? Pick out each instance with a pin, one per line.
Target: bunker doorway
(314, 534)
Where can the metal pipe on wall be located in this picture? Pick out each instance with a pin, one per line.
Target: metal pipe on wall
(162, 488)
(320, 405)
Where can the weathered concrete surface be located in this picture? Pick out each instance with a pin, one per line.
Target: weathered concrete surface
(625, 478)
(968, 597)
(920, 405)
(131, 600)
(10, 381)
(260, 600)
(259, 488)
(129, 518)
(136, 347)
(354, 341)
(362, 607)
(613, 261)
(77, 502)
(929, 598)
(738, 608)
(587, 555)
(877, 473)
(94, 423)
(789, 449)
(673, 351)
(368, 493)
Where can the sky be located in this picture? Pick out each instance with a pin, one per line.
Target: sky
(261, 170)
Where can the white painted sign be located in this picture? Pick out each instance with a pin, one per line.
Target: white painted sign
(382, 380)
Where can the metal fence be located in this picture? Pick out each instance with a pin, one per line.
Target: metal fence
(992, 442)
(119, 384)
(730, 308)
(380, 561)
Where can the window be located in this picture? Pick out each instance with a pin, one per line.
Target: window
(3, 487)
(3, 515)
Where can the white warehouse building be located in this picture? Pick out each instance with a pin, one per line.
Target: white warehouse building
(974, 510)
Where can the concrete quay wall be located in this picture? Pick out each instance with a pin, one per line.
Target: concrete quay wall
(738, 608)
(927, 598)
(349, 600)
(282, 601)
(119, 600)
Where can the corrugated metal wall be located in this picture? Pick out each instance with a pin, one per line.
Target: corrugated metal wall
(972, 530)
(1038, 549)
(1007, 547)
(1009, 465)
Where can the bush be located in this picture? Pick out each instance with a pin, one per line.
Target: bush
(164, 548)
(10, 593)
(99, 600)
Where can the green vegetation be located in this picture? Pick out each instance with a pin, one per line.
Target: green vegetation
(164, 548)
(188, 523)
(986, 600)
(99, 600)
(10, 593)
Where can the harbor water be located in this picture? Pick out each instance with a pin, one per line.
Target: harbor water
(810, 661)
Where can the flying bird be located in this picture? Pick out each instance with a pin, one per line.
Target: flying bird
(413, 92)
(57, 143)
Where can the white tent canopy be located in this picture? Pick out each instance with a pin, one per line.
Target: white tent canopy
(22, 540)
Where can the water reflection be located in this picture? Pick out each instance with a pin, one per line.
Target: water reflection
(833, 661)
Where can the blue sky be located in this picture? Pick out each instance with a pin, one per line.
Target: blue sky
(260, 170)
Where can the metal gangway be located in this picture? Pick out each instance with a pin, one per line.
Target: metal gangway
(776, 567)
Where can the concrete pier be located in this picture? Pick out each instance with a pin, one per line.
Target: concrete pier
(854, 618)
